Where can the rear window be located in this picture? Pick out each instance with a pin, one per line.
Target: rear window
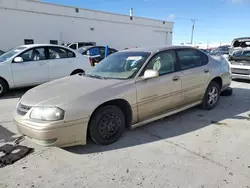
(190, 58)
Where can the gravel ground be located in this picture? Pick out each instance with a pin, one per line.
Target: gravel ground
(195, 148)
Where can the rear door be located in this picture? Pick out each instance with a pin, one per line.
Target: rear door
(33, 70)
(195, 74)
(61, 62)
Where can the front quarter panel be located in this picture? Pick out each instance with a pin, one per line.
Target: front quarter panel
(6, 72)
(84, 106)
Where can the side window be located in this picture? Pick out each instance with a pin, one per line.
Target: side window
(57, 53)
(164, 62)
(35, 54)
(73, 46)
(71, 54)
(81, 44)
(93, 51)
(111, 51)
(189, 58)
(102, 52)
(204, 58)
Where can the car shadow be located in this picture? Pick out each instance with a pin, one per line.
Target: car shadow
(231, 107)
(15, 93)
(6, 135)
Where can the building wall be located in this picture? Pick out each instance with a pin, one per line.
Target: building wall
(26, 19)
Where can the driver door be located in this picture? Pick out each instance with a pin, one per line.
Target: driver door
(33, 70)
(158, 95)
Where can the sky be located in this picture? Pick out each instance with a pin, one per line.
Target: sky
(217, 21)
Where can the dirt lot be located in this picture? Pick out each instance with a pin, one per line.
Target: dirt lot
(195, 148)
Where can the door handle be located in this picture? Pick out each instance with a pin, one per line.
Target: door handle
(175, 78)
(206, 70)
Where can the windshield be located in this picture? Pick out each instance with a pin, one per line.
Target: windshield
(121, 65)
(9, 54)
(241, 53)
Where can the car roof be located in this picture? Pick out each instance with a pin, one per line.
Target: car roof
(40, 45)
(154, 49)
(242, 38)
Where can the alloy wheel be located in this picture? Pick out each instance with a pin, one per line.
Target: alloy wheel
(213, 95)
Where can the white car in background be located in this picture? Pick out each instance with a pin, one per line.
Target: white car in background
(31, 65)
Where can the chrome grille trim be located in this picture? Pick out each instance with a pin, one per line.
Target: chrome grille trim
(240, 71)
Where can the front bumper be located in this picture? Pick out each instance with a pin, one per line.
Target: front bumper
(53, 133)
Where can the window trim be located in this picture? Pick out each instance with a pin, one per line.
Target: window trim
(179, 63)
(20, 54)
(176, 67)
(67, 50)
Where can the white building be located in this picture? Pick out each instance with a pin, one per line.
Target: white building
(41, 22)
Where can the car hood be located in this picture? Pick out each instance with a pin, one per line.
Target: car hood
(65, 90)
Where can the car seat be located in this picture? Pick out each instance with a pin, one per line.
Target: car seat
(157, 64)
(35, 55)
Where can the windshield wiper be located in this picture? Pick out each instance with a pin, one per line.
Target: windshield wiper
(95, 76)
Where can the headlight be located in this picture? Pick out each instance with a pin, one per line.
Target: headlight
(47, 113)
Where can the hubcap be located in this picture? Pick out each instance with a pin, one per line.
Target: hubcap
(1, 88)
(109, 125)
(212, 96)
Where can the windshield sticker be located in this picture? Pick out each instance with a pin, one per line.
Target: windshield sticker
(134, 58)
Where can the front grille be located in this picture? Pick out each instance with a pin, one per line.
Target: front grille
(22, 109)
(240, 71)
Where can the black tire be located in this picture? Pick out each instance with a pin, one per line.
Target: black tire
(77, 72)
(3, 87)
(210, 102)
(107, 125)
(227, 92)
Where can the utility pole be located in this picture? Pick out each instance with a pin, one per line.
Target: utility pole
(193, 25)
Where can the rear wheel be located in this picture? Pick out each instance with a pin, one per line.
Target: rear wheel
(212, 96)
(107, 125)
(3, 87)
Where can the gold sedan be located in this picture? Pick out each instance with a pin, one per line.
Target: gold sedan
(127, 89)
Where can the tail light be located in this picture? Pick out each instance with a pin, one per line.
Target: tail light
(91, 61)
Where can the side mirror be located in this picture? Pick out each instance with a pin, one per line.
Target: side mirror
(150, 74)
(18, 60)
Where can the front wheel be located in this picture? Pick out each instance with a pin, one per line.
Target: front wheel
(107, 125)
(212, 96)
